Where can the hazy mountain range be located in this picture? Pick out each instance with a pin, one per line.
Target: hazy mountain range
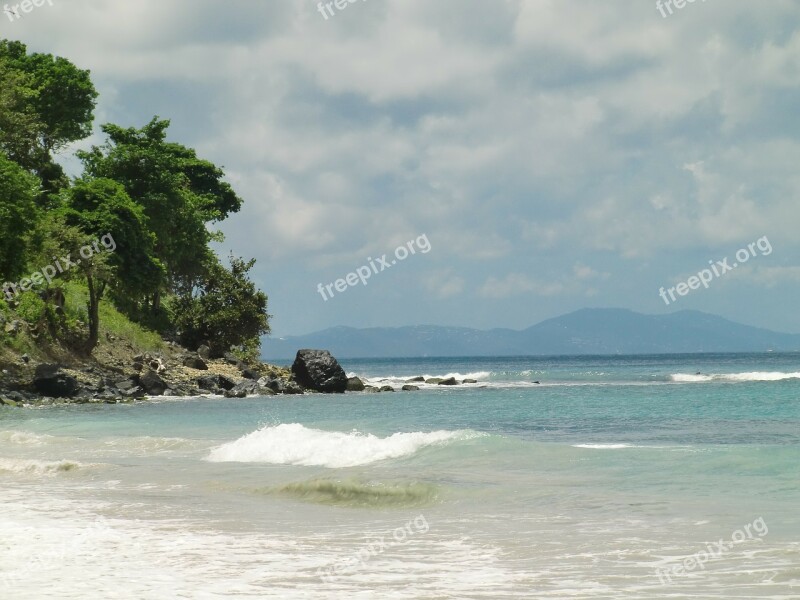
(586, 331)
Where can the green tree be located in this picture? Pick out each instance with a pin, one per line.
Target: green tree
(65, 96)
(105, 235)
(46, 102)
(18, 216)
(180, 193)
(225, 310)
(20, 129)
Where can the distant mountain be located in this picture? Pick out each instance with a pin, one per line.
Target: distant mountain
(586, 331)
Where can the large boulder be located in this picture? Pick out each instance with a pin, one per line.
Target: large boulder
(317, 370)
(50, 380)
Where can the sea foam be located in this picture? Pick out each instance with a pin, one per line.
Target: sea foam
(294, 444)
(733, 377)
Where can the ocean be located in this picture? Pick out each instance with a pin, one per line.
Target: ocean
(613, 477)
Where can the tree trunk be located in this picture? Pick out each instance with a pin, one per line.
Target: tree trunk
(95, 293)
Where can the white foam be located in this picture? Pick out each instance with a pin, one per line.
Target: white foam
(24, 438)
(748, 376)
(603, 446)
(294, 444)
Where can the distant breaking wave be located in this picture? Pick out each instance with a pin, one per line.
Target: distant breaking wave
(734, 377)
(294, 444)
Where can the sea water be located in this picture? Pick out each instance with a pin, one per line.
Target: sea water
(612, 477)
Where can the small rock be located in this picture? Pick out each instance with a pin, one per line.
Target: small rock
(292, 388)
(234, 393)
(410, 388)
(448, 381)
(418, 379)
(470, 381)
(204, 352)
(371, 389)
(434, 380)
(386, 388)
(195, 362)
(152, 383)
(25, 358)
(354, 384)
(250, 374)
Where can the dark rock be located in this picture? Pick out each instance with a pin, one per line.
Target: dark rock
(250, 374)
(354, 384)
(470, 381)
(448, 381)
(139, 358)
(50, 380)
(410, 388)
(138, 366)
(134, 392)
(386, 388)
(126, 384)
(418, 379)
(292, 388)
(18, 397)
(233, 360)
(371, 389)
(318, 370)
(226, 383)
(195, 362)
(209, 383)
(272, 383)
(152, 383)
(248, 387)
(204, 352)
(25, 358)
(434, 380)
(235, 393)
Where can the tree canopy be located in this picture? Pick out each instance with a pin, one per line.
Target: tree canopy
(155, 199)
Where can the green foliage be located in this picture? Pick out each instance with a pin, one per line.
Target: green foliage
(31, 308)
(151, 203)
(21, 130)
(180, 193)
(224, 311)
(18, 216)
(65, 96)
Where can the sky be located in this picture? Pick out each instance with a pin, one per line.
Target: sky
(551, 155)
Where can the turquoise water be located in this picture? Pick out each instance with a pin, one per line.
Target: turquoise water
(597, 482)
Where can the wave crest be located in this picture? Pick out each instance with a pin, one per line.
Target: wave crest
(294, 444)
(734, 377)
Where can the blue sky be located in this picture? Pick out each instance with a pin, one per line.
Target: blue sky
(557, 154)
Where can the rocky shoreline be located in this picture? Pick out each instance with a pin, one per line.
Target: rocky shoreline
(177, 372)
